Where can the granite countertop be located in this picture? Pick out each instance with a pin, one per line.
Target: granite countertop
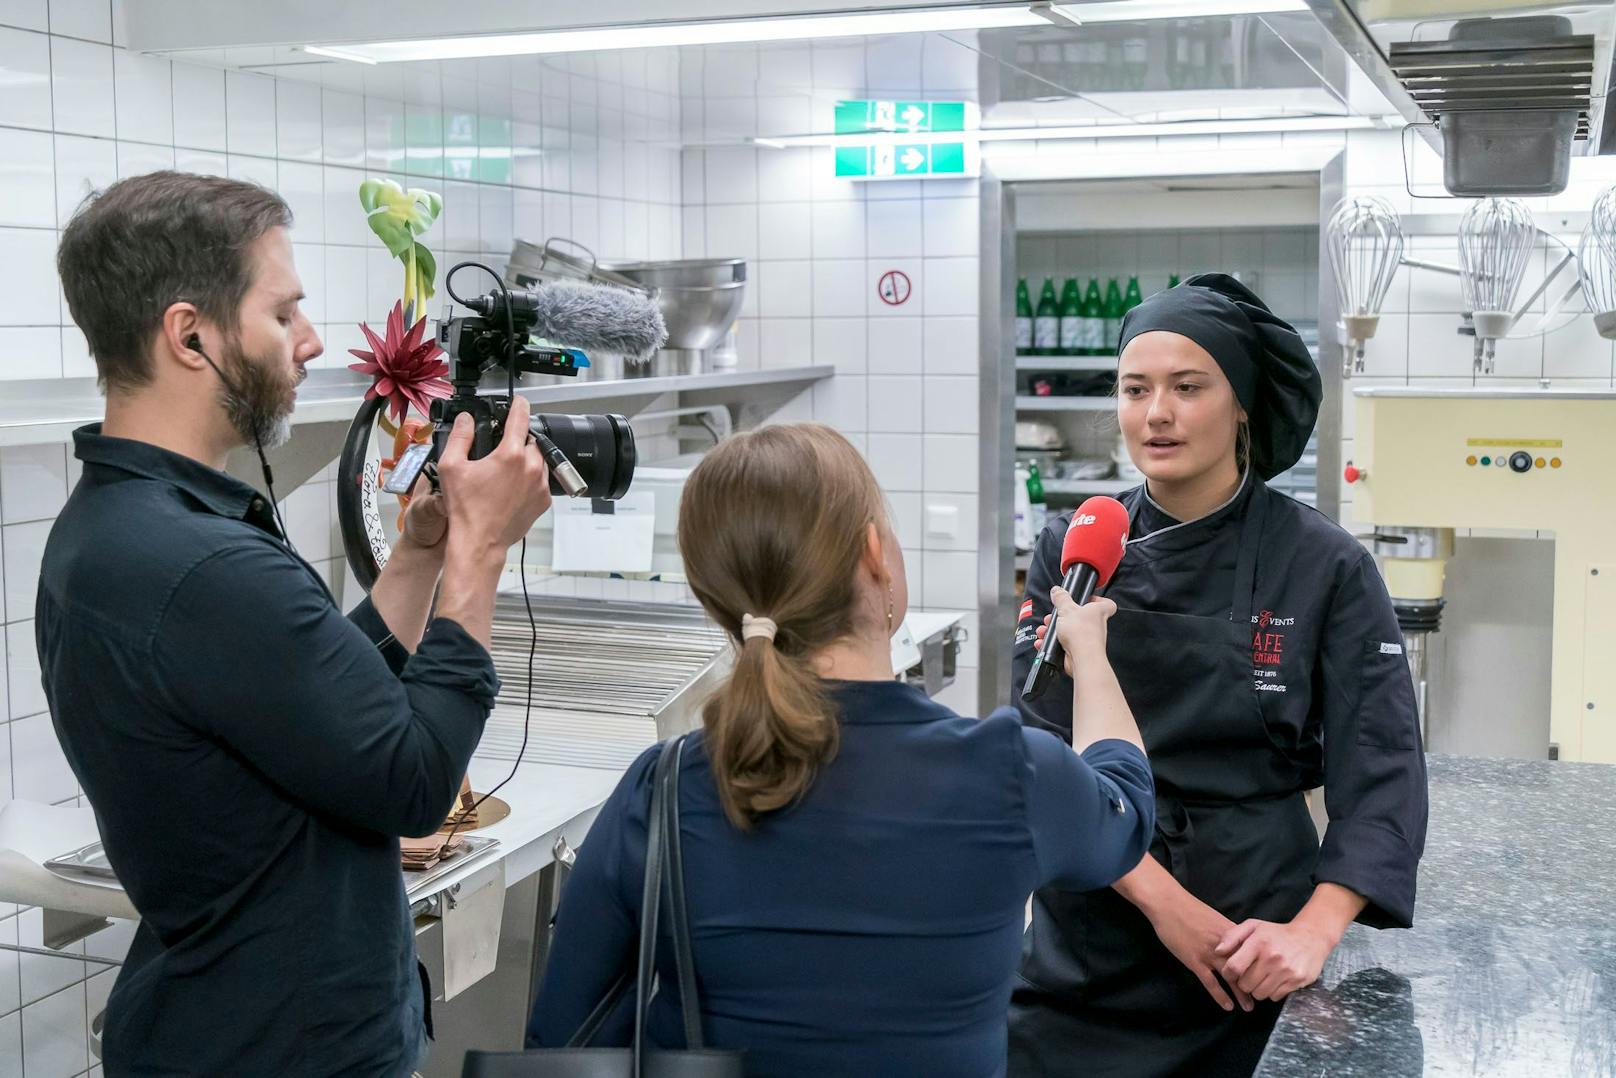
(1511, 966)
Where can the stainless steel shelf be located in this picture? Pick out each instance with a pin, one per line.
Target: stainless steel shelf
(1084, 487)
(1065, 404)
(46, 411)
(1066, 363)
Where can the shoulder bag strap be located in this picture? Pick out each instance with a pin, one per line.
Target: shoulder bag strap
(678, 911)
(655, 833)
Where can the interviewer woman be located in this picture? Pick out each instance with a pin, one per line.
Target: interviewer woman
(858, 857)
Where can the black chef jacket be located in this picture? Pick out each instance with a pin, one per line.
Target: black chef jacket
(252, 756)
(1328, 668)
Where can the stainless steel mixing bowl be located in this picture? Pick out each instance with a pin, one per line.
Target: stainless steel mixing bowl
(699, 297)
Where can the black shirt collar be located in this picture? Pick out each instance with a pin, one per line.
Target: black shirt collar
(214, 490)
(1154, 527)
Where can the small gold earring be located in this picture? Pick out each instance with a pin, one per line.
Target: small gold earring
(892, 602)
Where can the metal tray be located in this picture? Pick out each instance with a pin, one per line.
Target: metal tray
(419, 882)
(88, 864)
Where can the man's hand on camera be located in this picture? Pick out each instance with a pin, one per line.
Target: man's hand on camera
(492, 502)
(426, 521)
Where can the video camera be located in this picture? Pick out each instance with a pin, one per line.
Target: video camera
(589, 455)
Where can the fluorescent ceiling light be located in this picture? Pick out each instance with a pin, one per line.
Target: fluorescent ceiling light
(1144, 10)
(338, 54)
(1277, 124)
(664, 35)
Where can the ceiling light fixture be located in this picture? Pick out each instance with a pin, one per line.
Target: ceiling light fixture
(1150, 10)
(338, 54)
(664, 35)
(1273, 125)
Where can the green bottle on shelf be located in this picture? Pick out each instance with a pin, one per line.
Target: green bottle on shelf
(1131, 298)
(1113, 316)
(1046, 322)
(1023, 319)
(1093, 320)
(1071, 319)
(1035, 495)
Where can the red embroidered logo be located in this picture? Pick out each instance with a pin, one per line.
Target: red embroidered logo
(1026, 611)
(1268, 648)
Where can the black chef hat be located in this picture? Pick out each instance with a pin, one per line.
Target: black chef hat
(1273, 374)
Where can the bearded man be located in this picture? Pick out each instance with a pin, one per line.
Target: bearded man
(252, 754)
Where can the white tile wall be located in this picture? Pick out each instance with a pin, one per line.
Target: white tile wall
(822, 244)
(896, 345)
(77, 113)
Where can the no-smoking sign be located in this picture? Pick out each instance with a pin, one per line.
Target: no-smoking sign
(894, 288)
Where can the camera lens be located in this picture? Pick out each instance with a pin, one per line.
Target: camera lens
(601, 447)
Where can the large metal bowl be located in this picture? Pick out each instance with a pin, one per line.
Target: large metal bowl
(699, 297)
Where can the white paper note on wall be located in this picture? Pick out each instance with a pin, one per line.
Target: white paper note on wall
(616, 542)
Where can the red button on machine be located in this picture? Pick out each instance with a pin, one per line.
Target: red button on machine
(1352, 474)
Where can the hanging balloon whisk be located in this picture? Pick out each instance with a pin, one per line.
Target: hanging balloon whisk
(1496, 241)
(1365, 241)
(1596, 263)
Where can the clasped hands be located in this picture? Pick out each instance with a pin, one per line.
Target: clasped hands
(1254, 960)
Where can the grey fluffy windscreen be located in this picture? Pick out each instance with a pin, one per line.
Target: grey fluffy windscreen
(596, 318)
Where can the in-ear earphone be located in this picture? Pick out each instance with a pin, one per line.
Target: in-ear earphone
(194, 343)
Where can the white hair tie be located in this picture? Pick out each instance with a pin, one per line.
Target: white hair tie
(759, 627)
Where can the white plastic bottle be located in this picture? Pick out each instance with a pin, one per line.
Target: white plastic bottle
(1023, 528)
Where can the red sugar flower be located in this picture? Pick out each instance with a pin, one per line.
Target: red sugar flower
(408, 370)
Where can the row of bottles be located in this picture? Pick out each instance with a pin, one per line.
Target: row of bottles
(1079, 323)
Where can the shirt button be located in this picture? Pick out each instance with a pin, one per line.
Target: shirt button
(257, 505)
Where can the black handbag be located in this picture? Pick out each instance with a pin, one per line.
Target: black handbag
(664, 870)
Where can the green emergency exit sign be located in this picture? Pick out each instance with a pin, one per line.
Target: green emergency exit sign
(899, 117)
(886, 156)
(903, 161)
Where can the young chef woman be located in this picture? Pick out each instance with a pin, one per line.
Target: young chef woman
(1257, 646)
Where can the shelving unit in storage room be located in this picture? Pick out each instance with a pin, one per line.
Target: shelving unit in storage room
(1278, 258)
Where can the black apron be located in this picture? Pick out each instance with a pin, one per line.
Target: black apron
(1098, 993)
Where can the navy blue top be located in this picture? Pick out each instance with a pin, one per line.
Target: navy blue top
(252, 757)
(873, 927)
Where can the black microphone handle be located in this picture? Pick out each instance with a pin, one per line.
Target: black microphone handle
(1080, 582)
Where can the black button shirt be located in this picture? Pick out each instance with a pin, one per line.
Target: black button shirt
(252, 756)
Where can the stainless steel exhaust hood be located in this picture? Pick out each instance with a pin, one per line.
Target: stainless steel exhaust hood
(1507, 92)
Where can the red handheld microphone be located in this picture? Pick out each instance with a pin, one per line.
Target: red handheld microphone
(1094, 544)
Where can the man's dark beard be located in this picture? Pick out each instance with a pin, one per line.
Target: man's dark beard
(256, 399)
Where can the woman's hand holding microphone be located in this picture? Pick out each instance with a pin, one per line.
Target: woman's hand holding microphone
(1099, 711)
(1080, 630)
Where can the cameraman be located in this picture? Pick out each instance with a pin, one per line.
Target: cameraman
(251, 754)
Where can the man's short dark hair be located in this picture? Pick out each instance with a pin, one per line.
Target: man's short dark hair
(151, 241)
